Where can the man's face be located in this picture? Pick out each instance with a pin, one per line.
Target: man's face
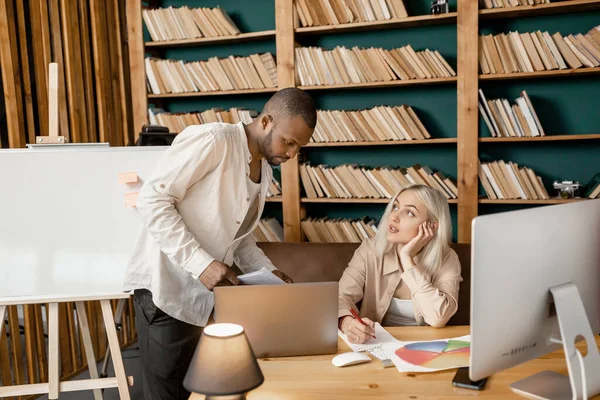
(283, 139)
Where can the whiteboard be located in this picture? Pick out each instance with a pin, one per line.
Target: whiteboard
(64, 227)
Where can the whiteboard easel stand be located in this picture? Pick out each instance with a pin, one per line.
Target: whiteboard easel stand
(53, 137)
(54, 385)
(118, 317)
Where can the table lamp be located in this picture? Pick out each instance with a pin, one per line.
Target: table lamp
(224, 366)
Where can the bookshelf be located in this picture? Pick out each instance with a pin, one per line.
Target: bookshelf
(562, 99)
(457, 151)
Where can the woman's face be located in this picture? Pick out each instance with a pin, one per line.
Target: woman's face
(408, 212)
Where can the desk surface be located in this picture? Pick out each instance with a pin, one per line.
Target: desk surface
(316, 378)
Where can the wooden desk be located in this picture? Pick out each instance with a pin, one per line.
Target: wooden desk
(316, 378)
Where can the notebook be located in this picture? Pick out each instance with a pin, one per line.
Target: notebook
(374, 346)
(383, 337)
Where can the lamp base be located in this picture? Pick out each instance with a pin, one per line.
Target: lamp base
(241, 396)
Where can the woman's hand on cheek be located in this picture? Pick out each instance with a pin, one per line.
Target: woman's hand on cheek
(412, 248)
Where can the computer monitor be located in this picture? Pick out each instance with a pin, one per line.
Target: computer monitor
(517, 257)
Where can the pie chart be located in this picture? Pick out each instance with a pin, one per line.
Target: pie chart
(436, 355)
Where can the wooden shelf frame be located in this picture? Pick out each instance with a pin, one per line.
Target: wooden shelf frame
(571, 6)
(383, 143)
(306, 200)
(547, 138)
(467, 82)
(409, 22)
(232, 39)
(386, 84)
(540, 74)
(532, 202)
(215, 93)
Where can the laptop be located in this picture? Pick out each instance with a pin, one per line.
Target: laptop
(297, 319)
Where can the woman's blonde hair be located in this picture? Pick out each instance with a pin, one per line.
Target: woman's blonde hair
(431, 256)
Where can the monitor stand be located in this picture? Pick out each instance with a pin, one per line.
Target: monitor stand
(584, 372)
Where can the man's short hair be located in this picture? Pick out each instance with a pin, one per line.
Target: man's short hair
(290, 102)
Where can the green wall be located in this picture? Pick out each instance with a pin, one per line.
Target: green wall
(565, 105)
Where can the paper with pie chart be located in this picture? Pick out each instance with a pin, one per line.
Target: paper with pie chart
(431, 356)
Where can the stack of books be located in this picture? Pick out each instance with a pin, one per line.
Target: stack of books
(336, 12)
(274, 188)
(315, 66)
(343, 230)
(176, 122)
(502, 180)
(351, 181)
(593, 188)
(537, 51)
(232, 73)
(510, 3)
(165, 24)
(504, 120)
(268, 230)
(379, 123)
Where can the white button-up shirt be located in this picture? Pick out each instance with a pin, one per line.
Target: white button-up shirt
(191, 209)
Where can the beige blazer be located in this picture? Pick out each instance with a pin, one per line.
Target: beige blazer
(376, 280)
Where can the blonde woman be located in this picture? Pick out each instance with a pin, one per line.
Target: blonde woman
(407, 274)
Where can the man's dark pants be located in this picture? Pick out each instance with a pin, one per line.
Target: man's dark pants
(167, 346)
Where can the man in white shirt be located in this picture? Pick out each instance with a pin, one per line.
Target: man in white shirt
(198, 210)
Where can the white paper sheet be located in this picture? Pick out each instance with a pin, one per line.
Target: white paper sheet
(261, 277)
(383, 338)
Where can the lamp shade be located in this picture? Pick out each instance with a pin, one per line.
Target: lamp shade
(224, 363)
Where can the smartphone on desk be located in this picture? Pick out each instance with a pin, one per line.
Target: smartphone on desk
(462, 380)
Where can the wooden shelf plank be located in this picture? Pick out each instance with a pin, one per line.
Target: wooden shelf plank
(215, 93)
(353, 201)
(419, 20)
(383, 143)
(241, 38)
(540, 74)
(521, 201)
(409, 82)
(274, 199)
(540, 9)
(549, 138)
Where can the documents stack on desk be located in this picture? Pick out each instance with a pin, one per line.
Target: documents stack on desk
(427, 356)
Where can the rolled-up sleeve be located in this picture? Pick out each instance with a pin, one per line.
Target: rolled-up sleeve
(436, 301)
(249, 257)
(191, 157)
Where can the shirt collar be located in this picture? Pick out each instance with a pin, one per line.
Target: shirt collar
(247, 153)
(390, 262)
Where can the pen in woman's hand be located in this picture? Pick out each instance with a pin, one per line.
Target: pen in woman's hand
(356, 316)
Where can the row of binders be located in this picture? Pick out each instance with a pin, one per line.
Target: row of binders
(342, 230)
(538, 51)
(510, 3)
(268, 230)
(232, 73)
(381, 123)
(171, 23)
(315, 66)
(177, 122)
(503, 180)
(336, 12)
(351, 181)
(505, 120)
